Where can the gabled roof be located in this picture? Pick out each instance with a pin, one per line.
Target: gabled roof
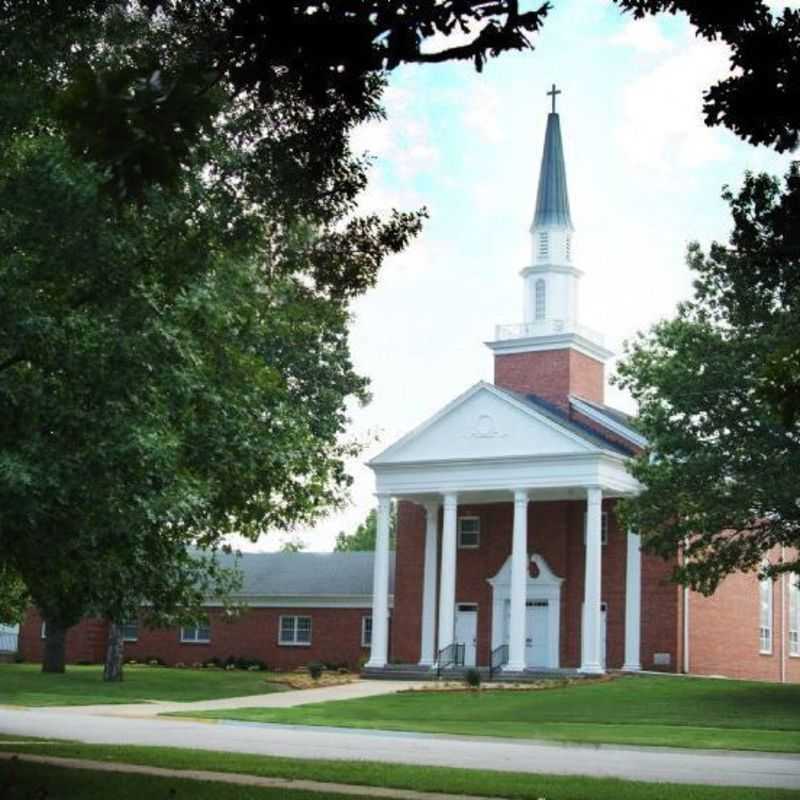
(306, 574)
(617, 422)
(519, 425)
(560, 417)
(552, 200)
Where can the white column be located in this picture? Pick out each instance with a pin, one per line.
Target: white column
(428, 636)
(380, 588)
(519, 584)
(633, 604)
(590, 658)
(447, 581)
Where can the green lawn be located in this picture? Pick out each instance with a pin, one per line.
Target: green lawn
(675, 712)
(26, 685)
(428, 779)
(24, 781)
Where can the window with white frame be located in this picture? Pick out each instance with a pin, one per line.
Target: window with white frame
(295, 631)
(196, 634)
(540, 299)
(469, 532)
(794, 615)
(765, 615)
(603, 528)
(366, 631)
(544, 244)
(130, 631)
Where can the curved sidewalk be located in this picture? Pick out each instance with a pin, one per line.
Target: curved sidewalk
(632, 763)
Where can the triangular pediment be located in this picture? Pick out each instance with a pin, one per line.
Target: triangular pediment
(485, 422)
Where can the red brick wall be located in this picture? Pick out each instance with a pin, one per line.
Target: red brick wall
(724, 631)
(555, 531)
(404, 643)
(335, 638)
(86, 641)
(551, 374)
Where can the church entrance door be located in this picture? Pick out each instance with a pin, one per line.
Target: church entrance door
(466, 632)
(537, 633)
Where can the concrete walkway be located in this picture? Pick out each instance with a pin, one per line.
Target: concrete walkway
(238, 779)
(632, 763)
(288, 699)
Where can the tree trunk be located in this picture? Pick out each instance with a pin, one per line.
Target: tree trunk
(55, 647)
(113, 668)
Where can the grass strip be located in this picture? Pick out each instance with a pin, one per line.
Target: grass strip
(431, 779)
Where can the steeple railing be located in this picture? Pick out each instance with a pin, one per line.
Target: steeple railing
(546, 327)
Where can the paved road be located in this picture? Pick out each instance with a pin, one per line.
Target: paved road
(646, 764)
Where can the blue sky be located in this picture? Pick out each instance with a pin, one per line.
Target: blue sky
(644, 174)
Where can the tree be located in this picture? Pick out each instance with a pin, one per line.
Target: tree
(293, 546)
(14, 597)
(304, 71)
(179, 247)
(365, 535)
(200, 396)
(760, 99)
(719, 473)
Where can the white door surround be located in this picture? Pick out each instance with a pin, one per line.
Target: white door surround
(466, 631)
(546, 586)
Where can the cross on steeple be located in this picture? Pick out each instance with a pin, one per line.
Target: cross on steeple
(552, 93)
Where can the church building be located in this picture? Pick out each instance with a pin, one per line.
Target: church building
(509, 553)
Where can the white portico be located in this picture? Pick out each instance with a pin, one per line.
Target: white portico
(492, 446)
(539, 438)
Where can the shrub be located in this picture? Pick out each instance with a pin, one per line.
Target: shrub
(155, 661)
(472, 677)
(230, 662)
(343, 671)
(213, 662)
(315, 669)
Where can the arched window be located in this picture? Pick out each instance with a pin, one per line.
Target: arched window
(540, 299)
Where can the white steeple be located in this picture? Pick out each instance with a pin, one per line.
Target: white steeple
(551, 281)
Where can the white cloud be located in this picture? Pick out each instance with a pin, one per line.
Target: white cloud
(661, 126)
(481, 111)
(644, 35)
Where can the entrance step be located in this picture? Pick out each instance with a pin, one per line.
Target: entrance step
(414, 672)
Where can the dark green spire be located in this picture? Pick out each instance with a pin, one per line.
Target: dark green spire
(552, 200)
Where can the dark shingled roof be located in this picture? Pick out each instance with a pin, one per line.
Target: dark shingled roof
(323, 574)
(615, 414)
(559, 416)
(552, 200)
